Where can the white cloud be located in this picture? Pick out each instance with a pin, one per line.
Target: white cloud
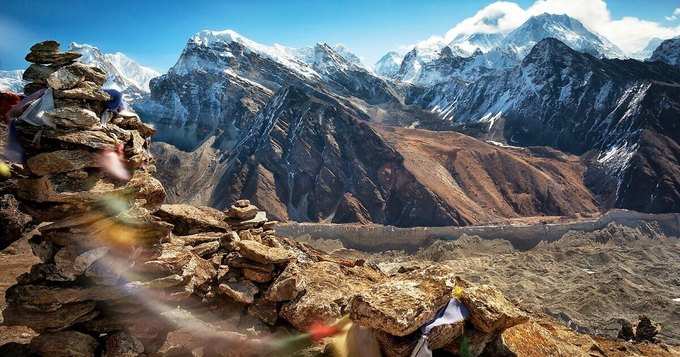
(674, 16)
(631, 34)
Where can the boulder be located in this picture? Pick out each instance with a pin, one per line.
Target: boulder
(399, 307)
(646, 330)
(206, 250)
(64, 344)
(55, 162)
(188, 219)
(263, 254)
(489, 310)
(542, 339)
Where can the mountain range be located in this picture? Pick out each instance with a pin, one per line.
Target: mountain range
(548, 119)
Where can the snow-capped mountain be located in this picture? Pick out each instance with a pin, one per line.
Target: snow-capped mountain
(223, 78)
(564, 28)
(668, 51)
(566, 99)
(481, 53)
(347, 54)
(12, 81)
(124, 74)
(388, 65)
(468, 44)
(646, 52)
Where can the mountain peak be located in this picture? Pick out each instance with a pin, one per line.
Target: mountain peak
(564, 28)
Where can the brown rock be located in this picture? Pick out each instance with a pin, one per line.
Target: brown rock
(241, 291)
(199, 238)
(46, 46)
(49, 163)
(440, 336)
(31, 88)
(288, 285)
(259, 219)
(626, 332)
(198, 273)
(490, 311)
(476, 343)
(242, 203)
(207, 249)
(85, 90)
(237, 261)
(51, 57)
(263, 254)
(132, 122)
(538, 339)
(646, 330)
(399, 307)
(59, 319)
(74, 117)
(242, 213)
(189, 219)
(328, 289)
(257, 276)
(12, 221)
(53, 298)
(64, 344)
(229, 241)
(122, 344)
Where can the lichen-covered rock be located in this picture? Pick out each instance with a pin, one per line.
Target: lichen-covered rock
(64, 344)
(189, 219)
(489, 310)
(85, 90)
(399, 307)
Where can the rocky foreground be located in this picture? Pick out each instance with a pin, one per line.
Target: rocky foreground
(122, 274)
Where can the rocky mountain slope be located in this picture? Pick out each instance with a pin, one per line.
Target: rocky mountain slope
(668, 51)
(575, 102)
(310, 158)
(222, 80)
(244, 112)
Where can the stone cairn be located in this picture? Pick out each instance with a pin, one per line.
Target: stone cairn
(122, 274)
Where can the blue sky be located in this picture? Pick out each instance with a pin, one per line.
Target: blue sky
(154, 32)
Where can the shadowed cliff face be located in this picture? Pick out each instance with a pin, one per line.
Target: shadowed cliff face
(310, 157)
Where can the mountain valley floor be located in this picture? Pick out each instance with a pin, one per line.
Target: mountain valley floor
(589, 281)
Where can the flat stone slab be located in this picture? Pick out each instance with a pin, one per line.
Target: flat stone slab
(189, 219)
(399, 307)
(241, 291)
(263, 254)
